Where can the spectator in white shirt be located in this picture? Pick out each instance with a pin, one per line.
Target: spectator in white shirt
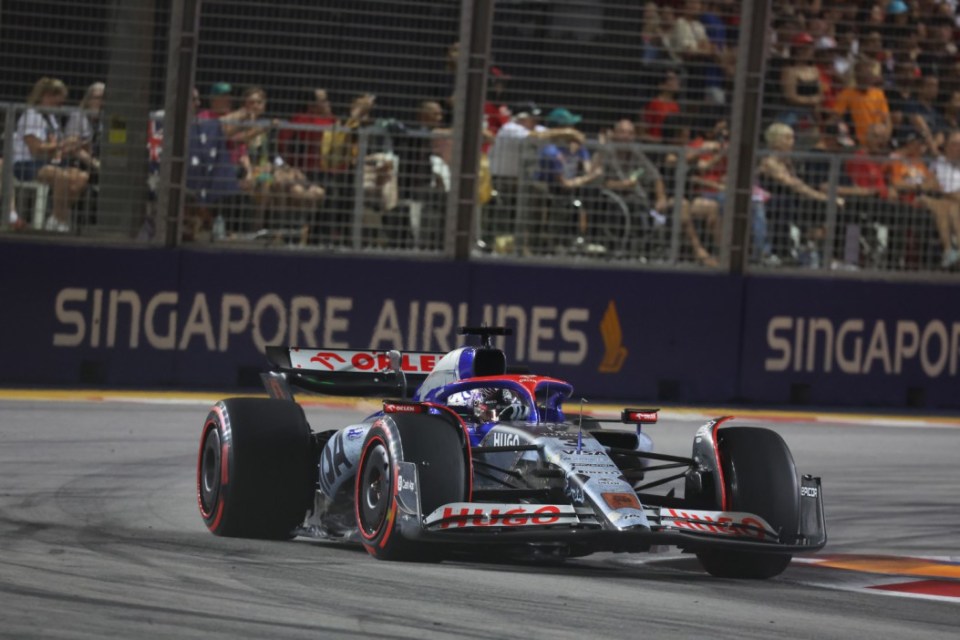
(84, 124)
(946, 168)
(40, 150)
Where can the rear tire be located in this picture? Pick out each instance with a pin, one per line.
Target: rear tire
(761, 478)
(254, 472)
(437, 447)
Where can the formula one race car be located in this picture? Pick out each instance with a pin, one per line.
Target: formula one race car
(470, 458)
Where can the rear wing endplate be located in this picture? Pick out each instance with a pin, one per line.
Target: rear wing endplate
(346, 372)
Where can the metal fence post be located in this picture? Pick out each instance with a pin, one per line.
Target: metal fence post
(123, 175)
(356, 226)
(832, 183)
(476, 26)
(181, 66)
(744, 133)
(6, 182)
(680, 184)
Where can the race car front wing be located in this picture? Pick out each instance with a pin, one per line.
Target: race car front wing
(691, 529)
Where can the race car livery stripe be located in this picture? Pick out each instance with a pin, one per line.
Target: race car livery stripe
(719, 522)
(460, 515)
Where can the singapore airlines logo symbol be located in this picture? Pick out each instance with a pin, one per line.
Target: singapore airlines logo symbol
(614, 353)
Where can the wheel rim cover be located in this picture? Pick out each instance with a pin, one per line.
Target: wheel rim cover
(210, 471)
(375, 488)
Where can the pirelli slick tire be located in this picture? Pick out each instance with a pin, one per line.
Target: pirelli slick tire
(759, 477)
(254, 471)
(436, 444)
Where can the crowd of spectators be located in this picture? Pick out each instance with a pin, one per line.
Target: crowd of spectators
(859, 153)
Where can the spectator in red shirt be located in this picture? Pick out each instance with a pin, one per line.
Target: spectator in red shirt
(873, 198)
(303, 148)
(657, 110)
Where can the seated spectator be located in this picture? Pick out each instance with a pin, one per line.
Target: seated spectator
(946, 168)
(918, 187)
(872, 198)
(830, 81)
(657, 110)
(246, 134)
(85, 126)
(833, 146)
(221, 102)
(802, 90)
(694, 209)
(922, 114)
(510, 162)
(630, 174)
(690, 40)
(496, 113)
(951, 112)
(865, 101)
(321, 156)
(302, 149)
(567, 170)
(897, 25)
(421, 174)
(792, 202)
(901, 95)
(40, 150)
(275, 186)
(939, 50)
(652, 34)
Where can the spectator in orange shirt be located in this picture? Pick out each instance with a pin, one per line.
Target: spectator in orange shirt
(865, 102)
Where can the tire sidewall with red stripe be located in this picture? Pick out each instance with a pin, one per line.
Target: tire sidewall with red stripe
(212, 503)
(383, 434)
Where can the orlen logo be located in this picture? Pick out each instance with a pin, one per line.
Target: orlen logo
(402, 407)
(363, 361)
(326, 360)
(548, 514)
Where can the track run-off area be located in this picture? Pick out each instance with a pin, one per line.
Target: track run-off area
(100, 536)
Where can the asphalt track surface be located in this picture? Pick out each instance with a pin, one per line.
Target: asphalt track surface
(100, 537)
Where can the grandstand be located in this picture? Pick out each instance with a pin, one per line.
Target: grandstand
(329, 127)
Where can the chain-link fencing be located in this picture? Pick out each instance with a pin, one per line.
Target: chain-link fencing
(607, 128)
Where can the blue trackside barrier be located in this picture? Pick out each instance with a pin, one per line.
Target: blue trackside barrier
(156, 318)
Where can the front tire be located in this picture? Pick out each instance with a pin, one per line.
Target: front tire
(254, 475)
(437, 446)
(760, 477)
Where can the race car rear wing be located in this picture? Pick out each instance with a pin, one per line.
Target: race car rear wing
(346, 372)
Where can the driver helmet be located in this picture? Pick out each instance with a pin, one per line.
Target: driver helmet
(493, 405)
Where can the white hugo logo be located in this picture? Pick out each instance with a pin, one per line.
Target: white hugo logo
(505, 439)
(854, 347)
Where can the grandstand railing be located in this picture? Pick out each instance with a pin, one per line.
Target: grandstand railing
(377, 198)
